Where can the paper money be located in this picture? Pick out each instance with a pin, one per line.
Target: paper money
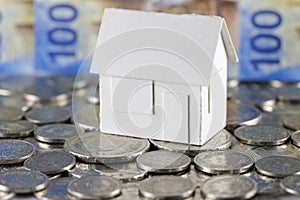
(16, 37)
(66, 31)
(270, 40)
(59, 36)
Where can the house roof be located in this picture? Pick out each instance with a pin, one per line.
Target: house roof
(138, 44)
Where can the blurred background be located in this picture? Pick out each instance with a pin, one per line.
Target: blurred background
(54, 36)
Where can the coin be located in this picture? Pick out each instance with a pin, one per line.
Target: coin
(162, 161)
(45, 94)
(218, 162)
(48, 115)
(95, 187)
(292, 122)
(166, 187)
(265, 185)
(55, 133)
(262, 135)
(10, 113)
(23, 181)
(255, 94)
(78, 173)
(11, 86)
(296, 138)
(289, 93)
(96, 147)
(15, 101)
(57, 189)
(221, 141)
(15, 151)
(239, 114)
(278, 166)
(43, 146)
(291, 184)
(285, 109)
(229, 187)
(14, 129)
(53, 162)
(122, 171)
(271, 119)
(86, 115)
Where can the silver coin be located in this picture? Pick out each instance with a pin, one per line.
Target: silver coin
(78, 173)
(285, 109)
(289, 93)
(53, 162)
(96, 147)
(14, 129)
(166, 187)
(11, 86)
(23, 181)
(221, 141)
(278, 166)
(296, 138)
(162, 161)
(262, 135)
(239, 114)
(122, 171)
(95, 187)
(265, 185)
(46, 94)
(43, 146)
(55, 133)
(288, 150)
(10, 113)
(292, 122)
(291, 184)
(271, 119)
(219, 162)
(229, 187)
(15, 151)
(15, 101)
(48, 115)
(255, 94)
(86, 115)
(57, 189)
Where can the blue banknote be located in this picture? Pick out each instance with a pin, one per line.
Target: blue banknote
(269, 40)
(65, 33)
(58, 39)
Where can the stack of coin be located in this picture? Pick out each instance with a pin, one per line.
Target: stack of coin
(44, 156)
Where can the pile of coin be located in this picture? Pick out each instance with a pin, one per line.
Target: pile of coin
(49, 153)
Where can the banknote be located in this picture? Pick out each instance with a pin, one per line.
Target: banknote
(16, 37)
(59, 36)
(66, 32)
(269, 40)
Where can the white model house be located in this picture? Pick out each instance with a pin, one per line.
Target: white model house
(162, 76)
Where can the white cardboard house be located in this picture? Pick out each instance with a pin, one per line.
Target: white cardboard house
(162, 76)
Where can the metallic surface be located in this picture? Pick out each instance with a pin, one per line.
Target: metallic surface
(162, 161)
(96, 147)
(95, 187)
(50, 162)
(219, 162)
(15, 151)
(229, 187)
(23, 181)
(262, 135)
